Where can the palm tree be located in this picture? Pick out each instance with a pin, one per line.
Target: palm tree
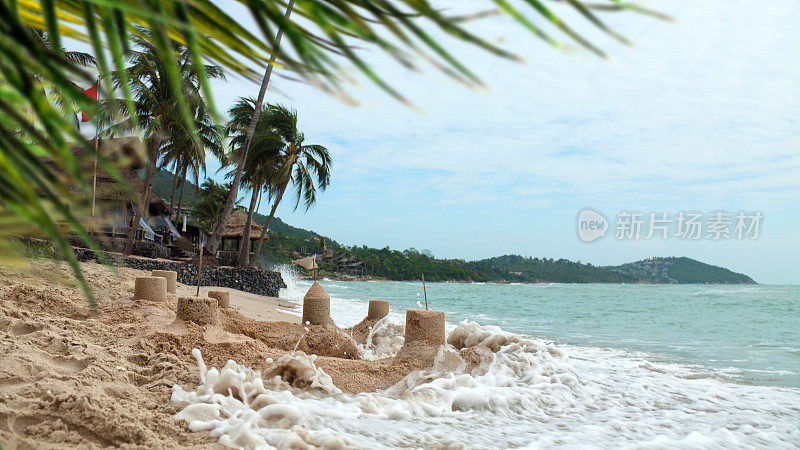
(159, 113)
(306, 166)
(183, 154)
(216, 236)
(80, 59)
(76, 58)
(210, 202)
(260, 162)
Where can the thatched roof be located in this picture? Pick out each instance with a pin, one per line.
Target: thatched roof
(127, 155)
(309, 262)
(236, 223)
(126, 151)
(109, 189)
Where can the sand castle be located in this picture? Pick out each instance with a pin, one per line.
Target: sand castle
(378, 309)
(202, 311)
(153, 289)
(425, 326)
(172, 279)
(222, 297)
(317, 306)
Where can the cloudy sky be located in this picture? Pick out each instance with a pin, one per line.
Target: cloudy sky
(699, 115)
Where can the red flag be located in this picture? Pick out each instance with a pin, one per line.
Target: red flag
(92, 94)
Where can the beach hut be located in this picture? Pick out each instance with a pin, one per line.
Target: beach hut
(232, 235)
(193, 233)
(116, 206)
(113, 203)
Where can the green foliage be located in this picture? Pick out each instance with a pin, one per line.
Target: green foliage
(169, 110)
(520, 269)
(38, 98)
(162, 185)
(209, 204)
(411, 264)
(265, 146)
(307, 167)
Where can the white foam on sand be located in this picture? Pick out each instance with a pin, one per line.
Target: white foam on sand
(384, 340)
(529, 393)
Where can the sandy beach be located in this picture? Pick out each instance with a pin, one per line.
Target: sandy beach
(73, 377)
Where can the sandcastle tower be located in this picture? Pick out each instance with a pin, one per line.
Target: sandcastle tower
(378, 309)
(222, 297)
(317, 306)
(202, 311)
(425, 326)
(171, 277)
(153, 289)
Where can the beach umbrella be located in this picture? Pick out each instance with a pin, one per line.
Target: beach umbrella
(309, 263)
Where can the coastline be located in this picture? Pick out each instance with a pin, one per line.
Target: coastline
(419, 281)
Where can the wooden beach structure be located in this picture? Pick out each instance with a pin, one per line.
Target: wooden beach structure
(234, 233)
(345, 264)
(114, 203)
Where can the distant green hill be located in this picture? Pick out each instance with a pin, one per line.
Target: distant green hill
(680, 270)
(518, 268)
(286, 242)
(162, 184)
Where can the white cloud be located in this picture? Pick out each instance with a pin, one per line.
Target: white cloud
(699, 114)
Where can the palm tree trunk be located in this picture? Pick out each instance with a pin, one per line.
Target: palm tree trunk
(243, 258)
(144, 203)
(174, 188)
(216, 237)
(183, 188)
(265, 229)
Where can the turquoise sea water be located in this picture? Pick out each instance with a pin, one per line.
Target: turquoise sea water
(746, 334)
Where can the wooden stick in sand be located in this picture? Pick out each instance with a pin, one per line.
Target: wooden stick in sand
(199, 271)
(425, 291)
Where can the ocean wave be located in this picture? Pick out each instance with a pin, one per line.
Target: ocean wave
(384, 340)
(514, 392)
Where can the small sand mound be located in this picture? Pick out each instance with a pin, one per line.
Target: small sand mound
(323, 341)
(362, 330)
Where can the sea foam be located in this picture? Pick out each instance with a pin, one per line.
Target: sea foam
(487, 389)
